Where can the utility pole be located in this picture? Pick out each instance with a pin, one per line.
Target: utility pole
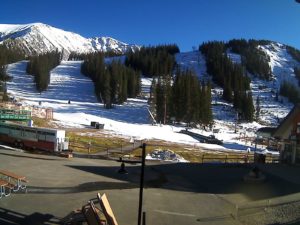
(142, 184)
(165, 112)
(236, 121)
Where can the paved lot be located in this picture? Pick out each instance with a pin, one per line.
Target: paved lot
(176, 194)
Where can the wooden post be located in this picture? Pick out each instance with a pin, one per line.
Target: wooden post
(89, 147)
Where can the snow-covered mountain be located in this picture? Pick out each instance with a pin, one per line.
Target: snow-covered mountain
(105, 44)
(40, 38)
(132, 120)
(282, 65)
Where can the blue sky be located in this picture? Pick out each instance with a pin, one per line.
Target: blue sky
(187, 23)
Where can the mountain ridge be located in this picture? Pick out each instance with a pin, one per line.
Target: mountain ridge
(37, 38)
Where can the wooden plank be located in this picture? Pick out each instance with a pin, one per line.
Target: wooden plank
(13, 175)
(3, 183)
(108, 213)
(6, 184)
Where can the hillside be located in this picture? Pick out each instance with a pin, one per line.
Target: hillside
(282, 66)
(39, 38)
(67, 83)
(132, 119)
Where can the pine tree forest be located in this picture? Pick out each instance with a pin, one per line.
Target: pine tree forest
(187, 100)
(178, 97)
(290, 90)
(297, 74)
(153, 61)
(40, 67)
(295, 53)
(253, 58)
(114, 83)
(231, 77)
(7, 56)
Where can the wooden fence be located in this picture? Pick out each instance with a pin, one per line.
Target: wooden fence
(85, 147)
(92, 148)
(119, 150)
(239, 158)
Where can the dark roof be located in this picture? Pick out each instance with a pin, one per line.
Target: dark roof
(288, 118)
(267, 129)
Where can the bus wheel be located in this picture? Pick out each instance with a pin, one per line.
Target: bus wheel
(16, 144)
(21, 145)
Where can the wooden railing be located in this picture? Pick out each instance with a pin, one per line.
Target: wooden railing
(86, 147)
(92, 148)
(239, 158)
(210, 157)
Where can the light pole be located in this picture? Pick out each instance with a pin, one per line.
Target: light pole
(142, 184)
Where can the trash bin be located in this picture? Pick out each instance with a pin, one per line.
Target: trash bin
(262, 158)
(259, 158)
(99, 126)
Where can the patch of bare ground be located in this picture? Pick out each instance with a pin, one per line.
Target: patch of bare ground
(89, 140)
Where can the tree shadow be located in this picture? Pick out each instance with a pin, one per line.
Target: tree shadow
(201, 178)
(84, 187)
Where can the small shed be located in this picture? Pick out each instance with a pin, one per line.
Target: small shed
(264, 137)
(265, 132)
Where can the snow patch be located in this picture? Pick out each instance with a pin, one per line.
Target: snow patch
(132, 119)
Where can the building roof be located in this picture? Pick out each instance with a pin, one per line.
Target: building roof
(268, 130)
(287, 121)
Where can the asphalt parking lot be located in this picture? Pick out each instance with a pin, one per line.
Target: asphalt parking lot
(176, 194)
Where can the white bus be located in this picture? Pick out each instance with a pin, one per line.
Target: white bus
(33, 137)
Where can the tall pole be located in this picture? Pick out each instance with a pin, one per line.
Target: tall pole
(165, 111)
(142, 184)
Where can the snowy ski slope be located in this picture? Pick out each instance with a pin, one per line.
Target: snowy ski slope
(132, 119)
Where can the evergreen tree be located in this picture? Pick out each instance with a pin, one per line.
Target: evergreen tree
(295, 53)
(40, 67)
(206, 114)
(114, 82)
(4, 77)
(238, 100)
(153, 97)
(257, 113)
(297, 74)
(159, 100)
(153, 61)
(106, 90)
(191, 100)
(230, 76)
(253, 58)
(10, 54)
(7, 55)
(290, 91)
(227, 91)
(248, 109)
